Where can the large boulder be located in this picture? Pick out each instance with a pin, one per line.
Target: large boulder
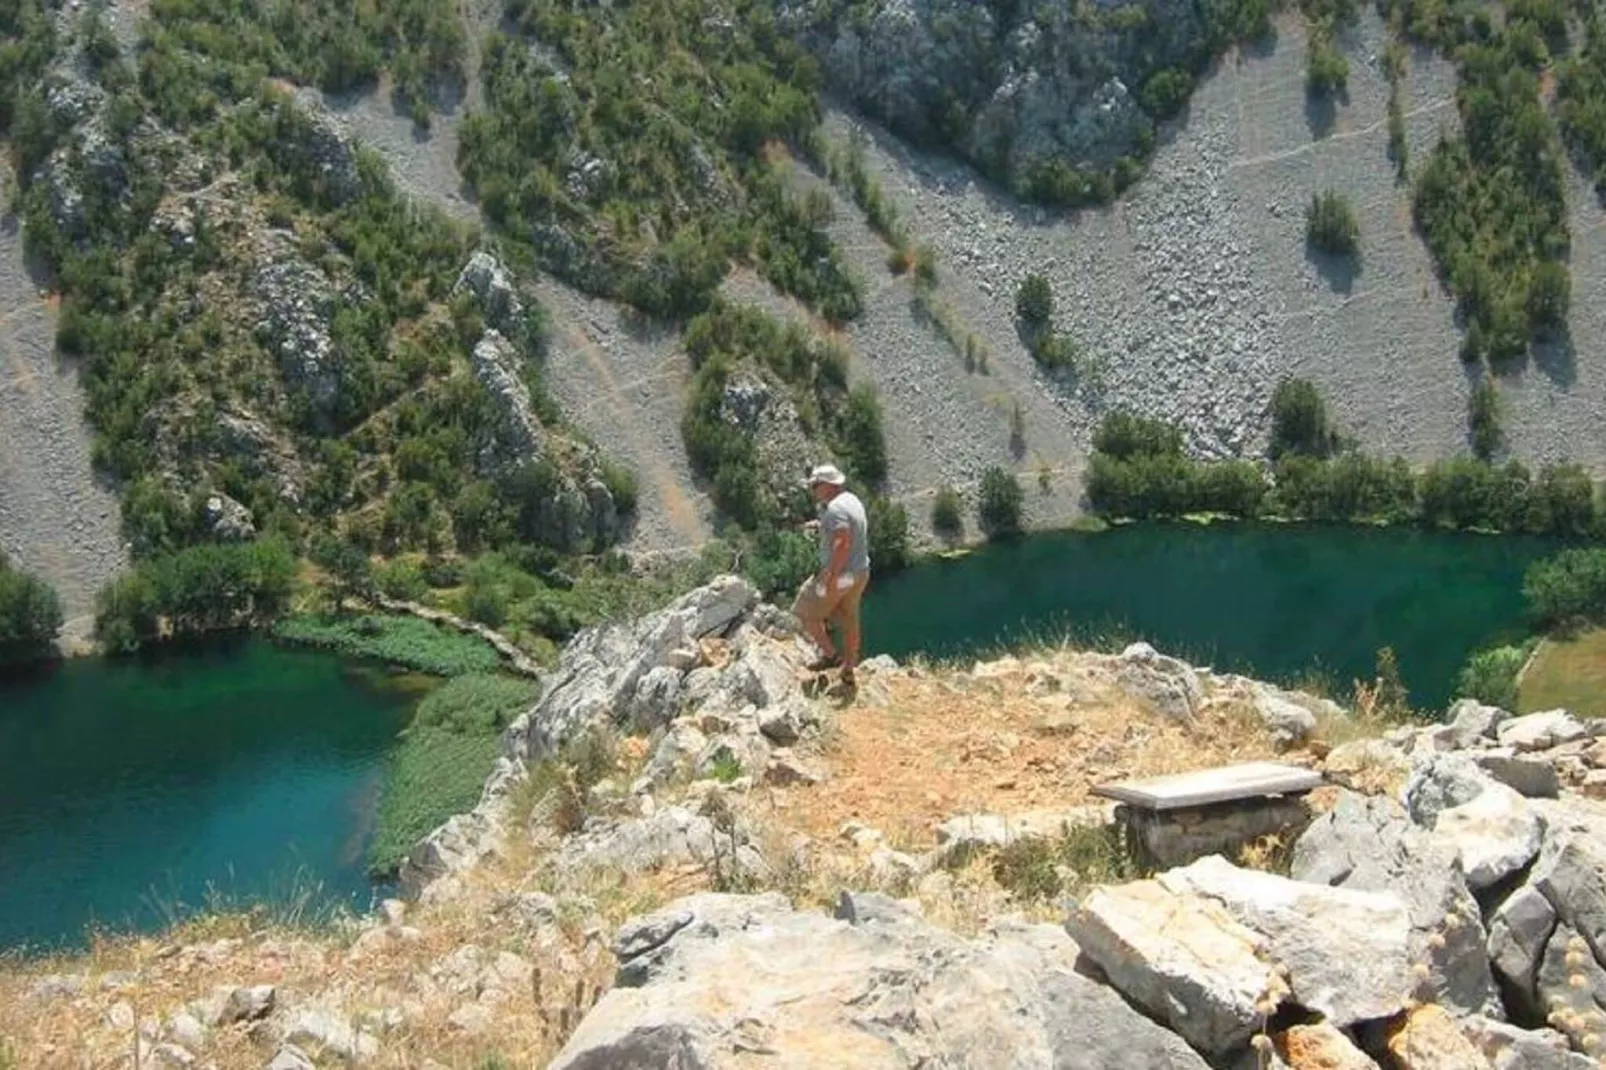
(716, 981)
(1542, 731)
(1497, 834)
(598, 676)
(519, 435)
(1182, 958)
(494, 294)
(1509, 1048)
(1368, 844)
(1198, 948)
(1170, 686)
(296, 303)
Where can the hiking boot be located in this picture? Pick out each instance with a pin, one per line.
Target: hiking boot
(824, 662)
(850, 680)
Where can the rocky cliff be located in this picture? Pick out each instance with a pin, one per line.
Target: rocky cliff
(691, 855)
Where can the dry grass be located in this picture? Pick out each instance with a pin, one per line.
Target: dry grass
(1567, 674)
(951, 744)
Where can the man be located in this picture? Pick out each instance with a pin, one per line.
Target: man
(834, 592)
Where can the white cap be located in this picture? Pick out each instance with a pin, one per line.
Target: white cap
(827, 473)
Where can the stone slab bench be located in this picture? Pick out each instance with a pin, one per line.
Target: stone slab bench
(1174, 820)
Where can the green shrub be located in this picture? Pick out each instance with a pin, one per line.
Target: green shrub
(621, 484)
(1567, 588)
(1299, 421)
(1490, 676)
(432, 775)
(1034, 302)
(199, 589)
(401, 579)
(860, 440)
(1123, 435)
(1330, 224)
(1484, 417)
(1166, 92)
(1326, 69)
(925, 266)
(406, 641)
(999, 504)
(889, 535)
(30, 616)
(1054, 351)
(948, 514)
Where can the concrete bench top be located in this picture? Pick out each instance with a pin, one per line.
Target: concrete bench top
(1204, 786)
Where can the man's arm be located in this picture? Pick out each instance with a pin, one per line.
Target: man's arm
(841, 546)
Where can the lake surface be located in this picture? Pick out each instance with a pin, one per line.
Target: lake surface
(131, 790)
(1276, 601)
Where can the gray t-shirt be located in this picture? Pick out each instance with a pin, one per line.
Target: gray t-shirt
(846, 511)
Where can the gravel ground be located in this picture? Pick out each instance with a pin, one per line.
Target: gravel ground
(1195, 290)
(623, 384)
(57, 518)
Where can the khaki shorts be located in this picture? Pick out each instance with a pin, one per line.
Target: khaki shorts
(840, 605)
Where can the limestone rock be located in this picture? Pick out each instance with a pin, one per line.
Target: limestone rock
(872, 908)
(601, 668)
(1519, 932)
(486, 278)
(1366, 764)
(1531, 777)
(249, 1004)
(1473, 723)
(671, 836)
(227, 520)
(1286, 720)
(1572, 985)
(1170, 686)
(296, 304)
(1181, 957)
(186, 1029)
(322, 1030)
(1497, 833)
(175, 1055)
(786, 768)
(1321, 1047)
(496, 366)
(290, 1057)
(1541, 731)
(656, 700)
(1439, 782)
(1510, 1048)
(1427, 1039)
(1347, 952)
(1367, 844)
(726, 979)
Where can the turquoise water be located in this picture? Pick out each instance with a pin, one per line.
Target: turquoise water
(1275, 601)
(131, 791)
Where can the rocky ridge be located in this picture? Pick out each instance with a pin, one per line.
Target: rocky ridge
(1437, 907)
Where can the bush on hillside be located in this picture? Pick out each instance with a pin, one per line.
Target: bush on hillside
(1299, 421)
(999, 504)
(1484, 418)
(948, 514)
(199, 589)
(1326, 69)
(1123, 435)
(1034, 302)
(30, 616)
(1330, 224)
(889, 535)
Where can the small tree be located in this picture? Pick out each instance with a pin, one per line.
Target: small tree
(1034, 302)
(1484, 417)
(999, 507)
(947, 514)
(348, 567)
(1299, 420)
(1330, 224)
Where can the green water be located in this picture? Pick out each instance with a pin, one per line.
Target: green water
(131, 791)
(1274, 601)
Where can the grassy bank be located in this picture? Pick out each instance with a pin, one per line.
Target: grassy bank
(407, 642)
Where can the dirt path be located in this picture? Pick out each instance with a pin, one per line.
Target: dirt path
(57, 518)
